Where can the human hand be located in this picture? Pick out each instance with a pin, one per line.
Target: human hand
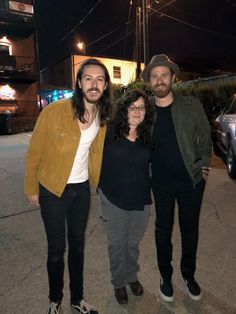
(34, 200)
(205, 172)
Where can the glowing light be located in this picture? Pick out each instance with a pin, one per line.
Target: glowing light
(6, 92)
(81, 46)
(5, 42)
(68, 94)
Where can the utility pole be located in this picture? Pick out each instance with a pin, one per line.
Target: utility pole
(145, 32)
(138, 39)
(142, 10)
(36, 49)
(146, 10)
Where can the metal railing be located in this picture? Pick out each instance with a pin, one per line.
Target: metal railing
(19, 64)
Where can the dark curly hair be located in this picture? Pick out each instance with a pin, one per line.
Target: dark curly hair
(121, 116)
(104, 104)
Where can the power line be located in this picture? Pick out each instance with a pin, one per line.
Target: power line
(118, 40)
(127, 27)
(80, 22)
(107, 34)
(165, 5)
(127, 34)
(192, 25)
(162, 14)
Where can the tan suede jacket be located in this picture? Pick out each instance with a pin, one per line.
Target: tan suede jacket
(53, 147)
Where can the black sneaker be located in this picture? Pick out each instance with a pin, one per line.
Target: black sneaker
(83, 308)
(166, 290)
(193, 289)
(54, 308)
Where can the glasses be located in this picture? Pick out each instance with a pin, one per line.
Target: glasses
(133, 108)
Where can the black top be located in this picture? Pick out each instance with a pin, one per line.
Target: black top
(125, 178)
(168, 168)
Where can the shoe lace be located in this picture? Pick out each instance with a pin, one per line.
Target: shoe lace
(54, 308)
(85, 307)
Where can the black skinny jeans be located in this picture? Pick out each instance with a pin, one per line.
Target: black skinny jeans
(189, 204)
(71, 208)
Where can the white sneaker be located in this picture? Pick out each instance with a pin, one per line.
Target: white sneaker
(193, 289)
(83, 308)
(166, 290)
(54, 308)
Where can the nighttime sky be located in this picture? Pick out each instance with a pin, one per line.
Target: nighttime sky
(197, 34)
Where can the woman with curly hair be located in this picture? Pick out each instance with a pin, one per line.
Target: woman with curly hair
(124, 189)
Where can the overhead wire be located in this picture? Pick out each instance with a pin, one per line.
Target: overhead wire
(105, 35)
(192, 25)
(80, 22)
(115, 42)
(165, 5)
(127, 34)
(131, 32)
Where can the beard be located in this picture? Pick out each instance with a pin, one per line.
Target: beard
(92, 99)
(162, 90)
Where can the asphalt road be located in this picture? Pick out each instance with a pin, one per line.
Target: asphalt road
(23, 288)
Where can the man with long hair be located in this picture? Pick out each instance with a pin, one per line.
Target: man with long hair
(64, 155)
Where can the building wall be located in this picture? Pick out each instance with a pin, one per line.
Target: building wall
(59, 74)
(24, 47)
(18, 68)
(27, 99)
(128, 68)
(23, 52)
(63, 73)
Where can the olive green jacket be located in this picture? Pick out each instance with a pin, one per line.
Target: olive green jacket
(193, 134)
(53, 147)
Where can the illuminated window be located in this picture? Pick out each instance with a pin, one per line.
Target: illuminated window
(117, 72)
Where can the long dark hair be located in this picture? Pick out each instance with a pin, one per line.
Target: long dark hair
(121, 116)
(104, 104)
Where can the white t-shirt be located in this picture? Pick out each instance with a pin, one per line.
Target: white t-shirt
(79, 171)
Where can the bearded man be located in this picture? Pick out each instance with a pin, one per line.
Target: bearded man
(63, 159)
(180, 159)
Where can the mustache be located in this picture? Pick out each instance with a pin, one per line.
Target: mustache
(93, 90)
(162, 84)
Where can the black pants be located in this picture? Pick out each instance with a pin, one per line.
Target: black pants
(189, 204)
(71, 208)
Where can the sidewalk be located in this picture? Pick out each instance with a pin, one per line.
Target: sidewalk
(24, 290)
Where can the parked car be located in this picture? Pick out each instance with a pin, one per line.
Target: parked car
(224, 137)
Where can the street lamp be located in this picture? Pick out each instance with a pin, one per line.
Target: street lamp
(81, 46)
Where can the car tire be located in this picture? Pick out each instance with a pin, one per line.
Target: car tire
(231, 162)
